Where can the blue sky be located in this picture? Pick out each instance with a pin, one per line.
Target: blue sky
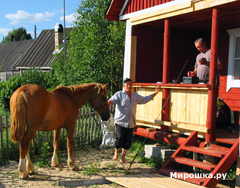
(27, 13)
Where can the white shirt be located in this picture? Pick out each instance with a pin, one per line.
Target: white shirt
(125, 110)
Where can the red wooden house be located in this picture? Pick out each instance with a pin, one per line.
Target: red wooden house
(160, 37)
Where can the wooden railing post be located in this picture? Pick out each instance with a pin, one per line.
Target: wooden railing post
(1, 129)
(166, 68)
(212, 92)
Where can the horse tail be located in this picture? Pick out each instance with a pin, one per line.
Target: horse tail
(18, 113)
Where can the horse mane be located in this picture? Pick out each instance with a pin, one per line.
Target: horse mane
(76, 88)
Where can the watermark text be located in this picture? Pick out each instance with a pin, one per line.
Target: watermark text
(197, 175)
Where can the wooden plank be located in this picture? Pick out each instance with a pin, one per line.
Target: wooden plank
(203, 108)
(188, 106)
(170, 86)
(187, 126)
(175, 10)
(1, 129)
(133, 57)
(152, 110)
(7, 142)
(150, 180)
(210, 3)
(150, 16)
(238, 173)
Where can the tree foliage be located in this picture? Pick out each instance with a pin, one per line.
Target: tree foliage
(95, 48)
(17, 35)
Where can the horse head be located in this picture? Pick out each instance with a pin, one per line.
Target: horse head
(99, 102)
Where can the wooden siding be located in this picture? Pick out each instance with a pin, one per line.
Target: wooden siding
(150, 111)
(136, 5)
(232, 97)
(187, 108)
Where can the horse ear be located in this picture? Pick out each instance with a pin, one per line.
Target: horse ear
(105, 86)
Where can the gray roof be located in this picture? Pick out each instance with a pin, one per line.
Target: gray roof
(11, 52)
(29, 53)
(40, 53)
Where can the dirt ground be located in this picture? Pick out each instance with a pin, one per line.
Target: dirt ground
(93, 164)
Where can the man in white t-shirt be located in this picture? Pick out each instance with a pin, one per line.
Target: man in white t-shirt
(201, 68)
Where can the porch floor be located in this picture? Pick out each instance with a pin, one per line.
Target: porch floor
(225, 136)
(150, 180)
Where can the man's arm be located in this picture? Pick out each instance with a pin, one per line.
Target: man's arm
(109, 103)
(156, 92)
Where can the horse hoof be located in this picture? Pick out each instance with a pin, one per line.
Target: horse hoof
(55, 165)
(31, 172)
(26, 177)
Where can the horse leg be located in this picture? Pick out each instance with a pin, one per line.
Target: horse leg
(70, 145)
(24, 147)
(30, 168)
(56, 143)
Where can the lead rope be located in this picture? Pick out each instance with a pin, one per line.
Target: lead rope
(150, 130)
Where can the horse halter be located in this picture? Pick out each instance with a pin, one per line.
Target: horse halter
(95, 95)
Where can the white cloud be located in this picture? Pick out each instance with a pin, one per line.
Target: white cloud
(22, 16)
(5, 31)
(69, 18)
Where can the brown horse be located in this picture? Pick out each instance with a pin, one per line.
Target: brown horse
(34, 108)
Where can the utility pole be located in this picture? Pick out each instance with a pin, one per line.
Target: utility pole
(64, 30)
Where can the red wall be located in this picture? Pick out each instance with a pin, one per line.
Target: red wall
(136, 5)
(232, 97)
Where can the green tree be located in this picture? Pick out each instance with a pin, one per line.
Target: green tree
(17, 35)
(95, 48)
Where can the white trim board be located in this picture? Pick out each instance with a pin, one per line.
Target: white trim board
(151, 9)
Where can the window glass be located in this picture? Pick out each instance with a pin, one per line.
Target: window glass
(237, 52)
(236, 73)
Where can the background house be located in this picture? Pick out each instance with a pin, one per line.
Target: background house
(39, 53)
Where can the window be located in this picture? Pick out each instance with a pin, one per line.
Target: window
(233, 77)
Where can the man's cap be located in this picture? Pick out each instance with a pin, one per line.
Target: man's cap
(127, 80)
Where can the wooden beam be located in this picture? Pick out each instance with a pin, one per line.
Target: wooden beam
(133, 58)
(186, 126)
(176, 10)
(164, 11)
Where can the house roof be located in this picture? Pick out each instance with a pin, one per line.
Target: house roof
(40, 53)
(198, 14)
(114, 9)
(11, 52)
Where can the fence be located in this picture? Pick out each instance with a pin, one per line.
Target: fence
(87, 132)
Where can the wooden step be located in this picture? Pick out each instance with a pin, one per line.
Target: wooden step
(206, 151)
(173, 173)
(219, 148)
(226, 140)
(191, 162)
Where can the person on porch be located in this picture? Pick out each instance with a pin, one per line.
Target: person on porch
(125, 113)
(201, 68)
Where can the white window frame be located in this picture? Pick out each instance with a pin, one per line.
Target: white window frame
(231, 82)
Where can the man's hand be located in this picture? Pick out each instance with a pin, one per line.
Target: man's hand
(203, 61)
(157, 89)
(191, 73)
